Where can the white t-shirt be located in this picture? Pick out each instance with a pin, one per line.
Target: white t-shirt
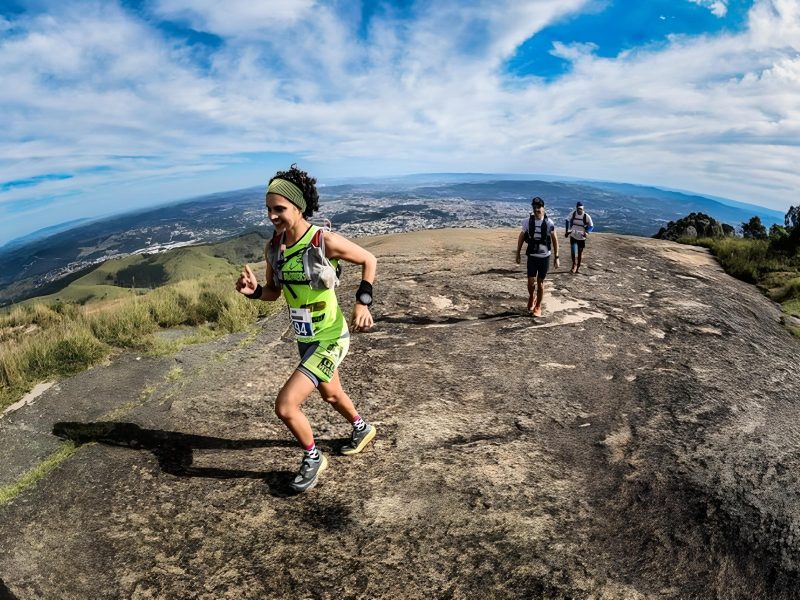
(543, 251)
(577, 226)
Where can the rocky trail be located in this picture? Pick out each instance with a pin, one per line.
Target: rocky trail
(638, 441)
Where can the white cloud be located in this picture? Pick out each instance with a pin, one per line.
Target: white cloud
(95, 86)
(718, 7)
(235, 17)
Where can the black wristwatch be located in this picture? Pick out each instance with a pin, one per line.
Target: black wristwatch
(365, 299)
(364, 293)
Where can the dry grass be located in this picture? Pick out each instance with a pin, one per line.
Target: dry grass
(41, 341)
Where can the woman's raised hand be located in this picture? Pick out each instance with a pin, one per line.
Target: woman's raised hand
(247, 282)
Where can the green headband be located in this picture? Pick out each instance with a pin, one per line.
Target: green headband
(289, 191)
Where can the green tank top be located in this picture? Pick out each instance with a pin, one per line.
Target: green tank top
(315, 314)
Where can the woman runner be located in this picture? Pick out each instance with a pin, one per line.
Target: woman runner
(321, 330)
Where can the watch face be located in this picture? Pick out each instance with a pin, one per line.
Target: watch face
(365, 299)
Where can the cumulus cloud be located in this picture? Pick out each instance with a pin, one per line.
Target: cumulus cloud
(103, 94)
(234, 17)
(718, 7)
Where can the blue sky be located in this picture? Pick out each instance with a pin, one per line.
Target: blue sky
(110, 106)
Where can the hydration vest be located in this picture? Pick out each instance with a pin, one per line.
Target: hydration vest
(320, 273)
(572, 219)
(535, 244)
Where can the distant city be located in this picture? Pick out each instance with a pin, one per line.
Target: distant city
(355, 209)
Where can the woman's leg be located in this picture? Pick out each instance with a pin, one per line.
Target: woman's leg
(363, 432)
(287, 407)
(334, 395)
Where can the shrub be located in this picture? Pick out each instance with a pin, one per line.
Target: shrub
(73, 350)
(788, 291)
(128, 326)
(68, 310)
(211, 304)
(31, 314)
(64, 350)
(238, 314)
(169, 306)
(745, 259)
(66, 340)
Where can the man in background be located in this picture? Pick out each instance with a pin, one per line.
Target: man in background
(579, 224)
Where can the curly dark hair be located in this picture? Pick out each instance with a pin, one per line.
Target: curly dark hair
(307, 185)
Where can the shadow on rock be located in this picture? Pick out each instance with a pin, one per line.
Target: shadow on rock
(173, 449)
(5, 593)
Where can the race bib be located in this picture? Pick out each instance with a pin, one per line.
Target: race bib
(301, 321)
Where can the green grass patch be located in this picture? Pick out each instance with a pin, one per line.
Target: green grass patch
(789, 291)
(745, 259)
(792, 307)
(30, 478)
(776, 273)
(174, 374)
(43, 341)
(60, 351)
(128, 326)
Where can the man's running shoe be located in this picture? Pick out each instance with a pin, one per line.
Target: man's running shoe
(308, 476)
(359, 440)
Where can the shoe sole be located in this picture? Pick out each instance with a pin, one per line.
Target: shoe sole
(360, 447)
(315, 481)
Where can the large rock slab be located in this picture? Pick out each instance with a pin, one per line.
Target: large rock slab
(638, 441)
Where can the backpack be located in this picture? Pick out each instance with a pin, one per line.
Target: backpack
(544, 233)
(572, 219)
(320, 273)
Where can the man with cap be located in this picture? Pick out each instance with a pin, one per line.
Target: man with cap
(539, 231)
(579, 224)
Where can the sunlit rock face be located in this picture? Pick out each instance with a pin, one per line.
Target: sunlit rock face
(639, 440)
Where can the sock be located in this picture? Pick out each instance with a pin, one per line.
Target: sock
(358, 423)
(311, 451)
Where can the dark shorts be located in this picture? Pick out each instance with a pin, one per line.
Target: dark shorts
(580, 244)
(538, 266)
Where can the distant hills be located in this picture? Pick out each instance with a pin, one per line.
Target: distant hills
(116, 277)
(47, 261)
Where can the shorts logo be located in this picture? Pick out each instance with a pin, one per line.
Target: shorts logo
(326, 366)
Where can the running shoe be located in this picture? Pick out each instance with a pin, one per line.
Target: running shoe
(308, 475)
(359, 440)
(537, 311)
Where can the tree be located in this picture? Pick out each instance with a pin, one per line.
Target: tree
(777, 232)
(792, 218)
(693, 225)
(754, 229)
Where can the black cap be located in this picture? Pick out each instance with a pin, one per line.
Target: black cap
(537, 201)
(579, 204)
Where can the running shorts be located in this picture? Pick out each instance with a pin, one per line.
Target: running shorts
(538, 266)
(319, 360)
